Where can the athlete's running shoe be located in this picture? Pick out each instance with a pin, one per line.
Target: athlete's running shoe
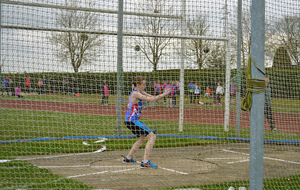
(148, 165)
(131, 160)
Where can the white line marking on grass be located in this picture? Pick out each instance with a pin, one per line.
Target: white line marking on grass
(83, 175)
(99, 141)
(235, 152)
(171, 170)
(97, 173)
(124, 170)
(247, 160)
(229, 158)
(268, 158)
(280, 160)
(4, 161)
(81, 166)
(76, 166)
(135, 166)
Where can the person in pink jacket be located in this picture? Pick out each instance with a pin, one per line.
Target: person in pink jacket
(18, 92)
(106, 94)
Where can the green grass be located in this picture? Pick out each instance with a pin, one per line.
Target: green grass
(283, 183)
(23, 175)
(85, 98)
(33, 124)
(286, 105)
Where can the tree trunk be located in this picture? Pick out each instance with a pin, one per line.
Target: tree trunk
(200, 63)
(75, 69)
(154, 66)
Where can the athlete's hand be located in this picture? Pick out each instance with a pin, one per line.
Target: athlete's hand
(168, 90)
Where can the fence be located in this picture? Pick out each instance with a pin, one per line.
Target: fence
(66, 77)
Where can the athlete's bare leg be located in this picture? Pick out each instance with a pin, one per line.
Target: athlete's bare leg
(149, 146)
(136, 146)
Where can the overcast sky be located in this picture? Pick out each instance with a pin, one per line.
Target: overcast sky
(30, 50)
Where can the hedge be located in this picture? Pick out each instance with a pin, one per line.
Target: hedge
(284, 83)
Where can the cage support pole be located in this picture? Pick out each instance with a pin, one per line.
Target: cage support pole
(119, 69)
(257, 109)
(181, 104)
(238, 69)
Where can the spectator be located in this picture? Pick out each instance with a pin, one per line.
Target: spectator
(12, 86)
(214, 88)
(106, 94)
(7, 85)
(52, 84)
(103, 83)
(219, 93)
(208, 92)
(191, 90)
(73, 86)
(4, 87)
(197, 93)
(18, 92)
(45, 82)
(267, 107)
(65, 85)
(177, 92)
(40, 85)
(27, 85)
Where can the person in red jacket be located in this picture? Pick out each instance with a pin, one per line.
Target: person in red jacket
(27, 85)
(208, 92)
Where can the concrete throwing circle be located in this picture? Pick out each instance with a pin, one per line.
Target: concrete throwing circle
(167, 167)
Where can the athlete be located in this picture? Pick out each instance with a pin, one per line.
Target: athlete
(132, 122)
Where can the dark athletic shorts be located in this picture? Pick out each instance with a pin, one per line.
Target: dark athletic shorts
(137, 128)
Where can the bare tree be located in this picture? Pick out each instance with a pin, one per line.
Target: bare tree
(197, 49)
(287, 31)
(153, 47)
(215, 58)
(76, 48)
(246, 36)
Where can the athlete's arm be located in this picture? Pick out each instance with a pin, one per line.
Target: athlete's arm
(146, 94)
(136, 96)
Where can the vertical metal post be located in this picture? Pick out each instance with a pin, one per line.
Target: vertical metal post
(119, 69)
(183, 30)
(257, 109)
(1, 80)
(225, 18)
(227, 87)
(227, 77)
(238, 69)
